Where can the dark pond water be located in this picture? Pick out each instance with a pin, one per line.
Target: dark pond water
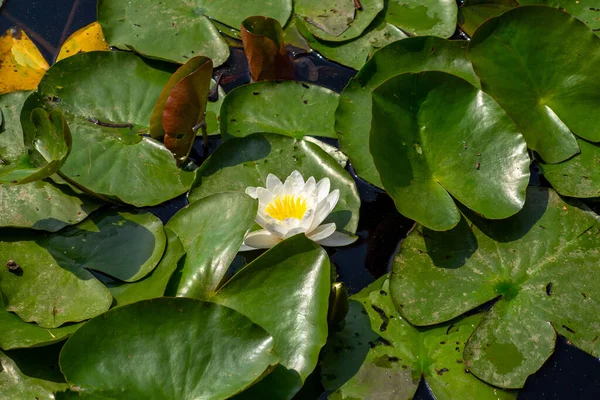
(568, 374)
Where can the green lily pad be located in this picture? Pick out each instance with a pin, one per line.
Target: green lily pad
(155, 283)
(354, 53)
(311, 11)
(353, 115)
(579, 175)
(423, 17)
(473, 13)
(286, 291)
(213, 111)
(540, 65)
(55, 267)
(13, 153)
(586, 10)
(242, 162)
(289, 108)
(378, 354)
(212, 231)
(15, 385)
(109, 157)
(430, 147)
(538, 262)
(199, 350)
(15, 333)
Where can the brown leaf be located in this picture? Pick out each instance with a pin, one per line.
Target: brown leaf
(265, 49)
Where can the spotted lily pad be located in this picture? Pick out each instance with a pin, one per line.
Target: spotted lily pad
(88, 38)
(193, 343)
(353, 115)
(423, 17)
(540, 65)
(444, 140)
(378, 354)
(109, 156)
(243, 162)
(538, 263)
(289, 108)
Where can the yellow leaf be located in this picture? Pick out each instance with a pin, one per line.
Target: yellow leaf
(88, 38)
(22, 66)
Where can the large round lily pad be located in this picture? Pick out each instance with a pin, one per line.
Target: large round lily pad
(444, 139)
(423, 17)
(378, 354)
(542, 263)
(585, 10)
(541, 65)
(243, 162)
(289, 108)
(109, 156)
(170, 348)
(353, 115)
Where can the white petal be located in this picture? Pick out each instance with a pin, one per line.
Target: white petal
(264, 196)
(273, 181)
(310, 186)
(337, 239)
(251, 191)
(324, 208)
(294, 232)
(323, 187)
(262, 239)
(322, 232)
(307, 219)
(294, 183)
(276, 228)
(246, 248)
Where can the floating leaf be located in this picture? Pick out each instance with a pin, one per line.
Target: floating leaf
(443, 140)
(193, 343)
(212, 231)
(265, 50)
(423, 17)
(332, 19)
(353, 115)
(289, 108)
(380, 355)
(21, 63)
(578, 176)
(540, 65)
(586, 10)
(538, 262)
(473, 13)
(109, 156)
(15, 385)
(362, 18)
(286, 291)
(242, 162)
(354, 53)
(88, 38)
(55, 268)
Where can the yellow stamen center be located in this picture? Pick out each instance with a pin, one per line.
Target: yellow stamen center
(288, 206)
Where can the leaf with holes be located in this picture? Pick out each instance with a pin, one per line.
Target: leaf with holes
(353, 114)
(541, 66)
(378, 354)
(538, 262)
(444, 139)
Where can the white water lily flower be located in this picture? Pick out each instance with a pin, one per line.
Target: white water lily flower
(287, 209)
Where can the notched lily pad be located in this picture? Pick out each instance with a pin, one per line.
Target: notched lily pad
(539, 262)
(444, 139)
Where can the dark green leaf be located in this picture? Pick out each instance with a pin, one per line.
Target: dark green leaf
(353, 115)
(443, 140)
(15, 385)
(198, 350)
(540, 262)
(541, 66)
(586, 10)
(473, 13)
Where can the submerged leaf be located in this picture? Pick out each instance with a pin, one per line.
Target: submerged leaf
(21, 63)
(88, 38)
(423, 17)
(539, 262)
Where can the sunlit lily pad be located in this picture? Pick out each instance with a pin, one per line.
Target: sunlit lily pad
(212, 231)
(353, 115)
(243, 162)
(473, 13)
(88, 38)
(55, 267)
(442, 140)
(286, 291)
(198, 350)
(586, 10)
(380, 355)
(21, 63)
(109, 155)
(541, 264)
(541, 66)
(289, 108)
(423, 17)
(16, 385)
